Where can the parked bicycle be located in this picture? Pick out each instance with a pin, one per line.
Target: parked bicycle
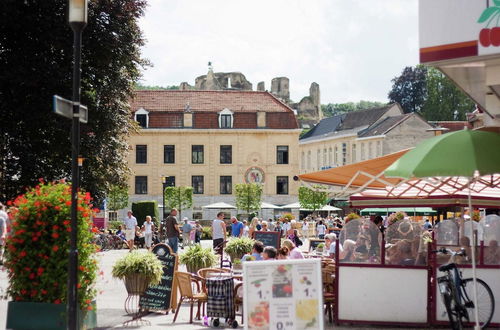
(457, 294)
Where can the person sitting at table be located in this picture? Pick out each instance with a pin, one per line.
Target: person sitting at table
(283, 253)
(256, 254)
(330, 242)
(347, 254)
(293, 251)
(269, 253)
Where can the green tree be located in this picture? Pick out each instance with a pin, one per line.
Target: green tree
(312, 198)
(139, 86)
(444, 98)
(410, 88)
(117, 198)
(248, 196)
(180, 198)
(333, 109)
(36, 54)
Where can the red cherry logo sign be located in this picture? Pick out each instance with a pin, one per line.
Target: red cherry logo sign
(484, 37)
(490, 37)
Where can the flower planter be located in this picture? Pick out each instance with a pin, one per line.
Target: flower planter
(136, 284)
(41, 316)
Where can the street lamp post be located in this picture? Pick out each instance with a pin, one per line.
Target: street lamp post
(77, 21)
(164, 184)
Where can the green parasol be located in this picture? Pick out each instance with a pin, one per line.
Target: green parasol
(459, 153)
(462, 153)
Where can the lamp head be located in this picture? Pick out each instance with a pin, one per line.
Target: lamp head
(78, 11)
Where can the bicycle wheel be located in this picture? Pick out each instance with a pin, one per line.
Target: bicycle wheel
(452, 310)
(485, 301)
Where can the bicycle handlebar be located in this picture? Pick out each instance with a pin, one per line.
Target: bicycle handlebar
(444, 250)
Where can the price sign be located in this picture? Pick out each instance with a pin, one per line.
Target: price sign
(283, 294)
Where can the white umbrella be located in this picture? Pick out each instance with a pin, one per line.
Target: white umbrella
(219, 205)
(329, 208)
(265, 205)
(291, 206)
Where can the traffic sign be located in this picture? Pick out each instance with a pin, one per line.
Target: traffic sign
(64, 107)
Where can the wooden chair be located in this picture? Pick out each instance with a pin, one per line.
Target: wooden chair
(328, 279)
(238, 300)
(186, 282)
(206, 272)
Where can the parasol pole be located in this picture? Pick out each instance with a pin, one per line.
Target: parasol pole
(473, 249)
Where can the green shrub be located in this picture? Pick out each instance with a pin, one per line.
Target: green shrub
(143, 208)
(144, 263)
(206, 233)
(197, 257)
(114, 225)
(236, 248)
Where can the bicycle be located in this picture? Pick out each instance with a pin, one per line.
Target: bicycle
(457, 294)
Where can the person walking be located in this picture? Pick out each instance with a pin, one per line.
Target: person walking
(236, 227)
(130, 224)
(321, 230)
(305, 229)
(186, 232)
(199, 230)
(148, 228)
(218, 230)
(172, 228)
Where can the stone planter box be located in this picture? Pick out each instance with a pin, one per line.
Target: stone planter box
(45, 316)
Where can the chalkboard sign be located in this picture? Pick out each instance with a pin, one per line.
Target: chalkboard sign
(269, 238)
(160, 297)
(314, 242)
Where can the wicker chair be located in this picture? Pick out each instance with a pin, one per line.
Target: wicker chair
(205, 272)
(185, 283)
(328, 276)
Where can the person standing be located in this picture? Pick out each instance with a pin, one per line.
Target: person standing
(218, 230)
(305, 229)
(321, 230)
(246, 229)
(236, 227)
(130, 224)
(172, 228)
(198, 232)
(148, 229)
(186, 232)
(285, 227)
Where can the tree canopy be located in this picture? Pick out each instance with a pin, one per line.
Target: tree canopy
(248, 196)
(117, 197)
(180, 198)
(427, 91)
(333, 109)
(312, 198)
(36, 54)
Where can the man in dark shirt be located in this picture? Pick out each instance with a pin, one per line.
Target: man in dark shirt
(172, 228)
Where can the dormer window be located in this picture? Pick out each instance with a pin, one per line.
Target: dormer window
(226, 118)
(142, 117)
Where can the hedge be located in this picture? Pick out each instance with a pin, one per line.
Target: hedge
(143, 208)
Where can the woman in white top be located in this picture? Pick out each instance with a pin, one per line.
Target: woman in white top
(246, 229)
(321, 230)
(147, 228)
(305, 229)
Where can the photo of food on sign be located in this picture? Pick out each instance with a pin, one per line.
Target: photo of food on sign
(259, 316)
(282, 282)
(306, 311)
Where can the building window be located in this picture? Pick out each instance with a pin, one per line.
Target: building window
(197, 154)
(344, 153)
(370, 155)
(169, 154)
(336, 156)
(282, 154)
(330, 156)
(324, 157)
(353, 153)
(318, 159)
(309, 160)
(226, 154)
(226, 185)
(303, 161)
(362, 151)
(141, 185)
(142, 118)
(226, 119)
(197, 184)
(282, 185)
(141, 154)
(113, 216)
(169, 181)
(379, 148)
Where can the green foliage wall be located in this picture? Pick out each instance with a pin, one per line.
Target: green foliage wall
(143, 208)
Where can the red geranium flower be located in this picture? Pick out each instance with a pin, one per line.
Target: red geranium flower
(55, 248)
(57, 301)
(55, 235)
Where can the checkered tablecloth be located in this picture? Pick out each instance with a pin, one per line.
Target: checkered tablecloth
(220, 297)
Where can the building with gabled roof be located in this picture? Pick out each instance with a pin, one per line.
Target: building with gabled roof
(212, 140)
(360, 135)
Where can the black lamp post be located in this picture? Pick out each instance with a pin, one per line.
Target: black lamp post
(77, 21)
(164, 185)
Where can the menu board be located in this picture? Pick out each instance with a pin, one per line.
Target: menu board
(283, 294)
(159, 297)
(269, 238)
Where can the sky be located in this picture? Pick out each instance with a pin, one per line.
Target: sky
(351, 48)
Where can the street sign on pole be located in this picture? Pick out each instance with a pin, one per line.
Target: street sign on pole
(64, 108)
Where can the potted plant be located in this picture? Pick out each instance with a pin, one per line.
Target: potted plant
(319, 248)
(138, 270)
(237, 264)
(236, 248)
(196, 258)
(37, 258)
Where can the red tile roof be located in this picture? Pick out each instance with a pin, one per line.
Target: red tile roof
(209, 101)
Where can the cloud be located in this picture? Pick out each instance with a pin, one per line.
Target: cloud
(351, 48)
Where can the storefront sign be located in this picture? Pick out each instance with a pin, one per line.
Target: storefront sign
(283, 294)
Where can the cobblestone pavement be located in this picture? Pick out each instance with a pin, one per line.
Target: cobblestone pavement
(111, 297)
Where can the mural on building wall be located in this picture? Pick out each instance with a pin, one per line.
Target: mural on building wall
(254, 175)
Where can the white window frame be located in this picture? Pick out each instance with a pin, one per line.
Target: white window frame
(226, 111)
(142, 111)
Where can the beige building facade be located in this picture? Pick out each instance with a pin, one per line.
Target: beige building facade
(361, 135)
(212, 140)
